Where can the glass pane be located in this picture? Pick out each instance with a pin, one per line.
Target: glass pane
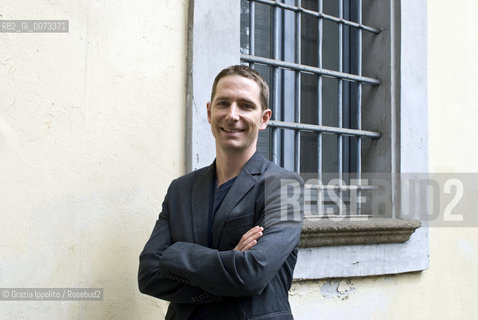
(283, 91)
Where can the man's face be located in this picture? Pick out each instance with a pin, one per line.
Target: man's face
(235, 114)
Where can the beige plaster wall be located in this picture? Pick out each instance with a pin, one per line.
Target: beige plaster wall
(447, 290)
(91, 133)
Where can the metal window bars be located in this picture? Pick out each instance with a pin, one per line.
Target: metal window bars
(298, 68)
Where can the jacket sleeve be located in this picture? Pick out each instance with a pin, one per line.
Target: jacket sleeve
(153, 282)
(235, 273)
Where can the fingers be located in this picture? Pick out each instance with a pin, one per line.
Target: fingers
(252, 233)
(249, 239)
(250, 245)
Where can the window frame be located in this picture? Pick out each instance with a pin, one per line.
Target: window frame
(214, 42)
(283, 50)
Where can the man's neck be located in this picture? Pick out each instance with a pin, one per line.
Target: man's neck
(228, 165)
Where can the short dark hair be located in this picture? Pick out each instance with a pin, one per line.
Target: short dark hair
(246, 72)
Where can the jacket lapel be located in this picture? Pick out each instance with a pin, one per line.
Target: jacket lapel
(200, 205)
(246, 179)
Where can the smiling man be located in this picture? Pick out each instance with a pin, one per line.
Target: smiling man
(225, 243)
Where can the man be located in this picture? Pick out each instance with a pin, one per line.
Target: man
(225, 243)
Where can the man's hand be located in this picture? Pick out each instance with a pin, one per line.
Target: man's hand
(249, 239)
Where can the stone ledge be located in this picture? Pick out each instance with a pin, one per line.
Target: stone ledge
(331, 232)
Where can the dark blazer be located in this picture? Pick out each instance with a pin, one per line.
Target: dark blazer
(177, 265)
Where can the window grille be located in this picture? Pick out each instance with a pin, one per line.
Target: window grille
(310, 52)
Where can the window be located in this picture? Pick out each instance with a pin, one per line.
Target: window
(396, 57)
(310, 51)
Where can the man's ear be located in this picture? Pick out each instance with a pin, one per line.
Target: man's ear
(208, 106)
(266, 116)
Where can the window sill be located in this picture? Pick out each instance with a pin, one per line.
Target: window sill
(331, 232)
(350, 248)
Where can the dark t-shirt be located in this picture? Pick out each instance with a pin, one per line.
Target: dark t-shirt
(216, 197)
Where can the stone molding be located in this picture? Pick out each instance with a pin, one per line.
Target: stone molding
(333, 232)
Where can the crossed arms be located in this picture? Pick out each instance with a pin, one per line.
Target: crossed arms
(186, 272)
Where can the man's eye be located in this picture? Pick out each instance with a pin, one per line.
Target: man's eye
(222, 103)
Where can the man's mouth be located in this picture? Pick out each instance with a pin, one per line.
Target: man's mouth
(232, 130)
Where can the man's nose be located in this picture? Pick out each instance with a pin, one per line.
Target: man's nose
(232, 112)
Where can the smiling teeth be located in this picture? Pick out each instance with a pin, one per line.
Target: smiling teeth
(232, 130)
